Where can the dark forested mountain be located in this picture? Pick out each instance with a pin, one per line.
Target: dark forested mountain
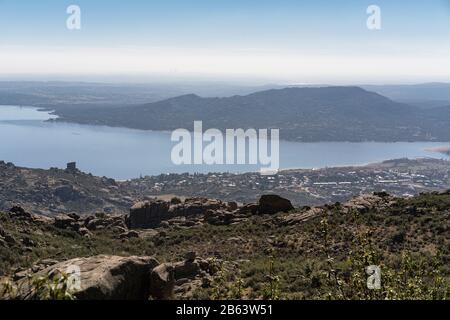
(301, 114)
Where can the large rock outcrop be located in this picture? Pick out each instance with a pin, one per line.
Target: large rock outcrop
(148, 214)
(271, 203)
(199, 206)
(107, 277)
(85, 224)
(378, 201)
(19, 213)
(180, 279)
(152, 214)
(162, 282)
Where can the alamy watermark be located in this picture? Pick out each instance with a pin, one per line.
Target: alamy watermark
(374, 20)
(374, 277)
(234, 146)
(73, 273)
(73, 22)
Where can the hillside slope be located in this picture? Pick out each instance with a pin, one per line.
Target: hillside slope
(307, 253)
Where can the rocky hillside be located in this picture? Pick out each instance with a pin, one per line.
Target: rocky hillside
(205, 248)
(54, 191)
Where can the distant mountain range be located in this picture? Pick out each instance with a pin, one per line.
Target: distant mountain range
(425, 95)
(301, 114)
(62, 93)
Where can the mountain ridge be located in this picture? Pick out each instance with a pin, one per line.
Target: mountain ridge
(302, 114)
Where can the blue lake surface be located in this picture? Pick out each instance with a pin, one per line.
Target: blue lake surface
(26, 139)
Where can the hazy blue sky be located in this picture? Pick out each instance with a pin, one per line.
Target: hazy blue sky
(295, 41)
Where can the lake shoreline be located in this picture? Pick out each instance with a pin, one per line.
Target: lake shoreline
(124, 153)
(60, 119)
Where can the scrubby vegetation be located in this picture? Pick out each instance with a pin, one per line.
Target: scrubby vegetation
(324, 257)
(38, 288)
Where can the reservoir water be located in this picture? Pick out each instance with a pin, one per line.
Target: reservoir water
(26, 139)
